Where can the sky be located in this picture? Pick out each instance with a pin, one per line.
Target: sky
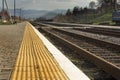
(47, 4)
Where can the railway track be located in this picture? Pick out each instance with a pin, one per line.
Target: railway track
(103, 58)
(90, 69)
(104, 31)
(95, 41)
(90, 28)
(111, 45)
(100, 37)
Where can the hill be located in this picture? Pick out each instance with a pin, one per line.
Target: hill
(37, 13)
(54, 13)
(29, 13)
(104, 18)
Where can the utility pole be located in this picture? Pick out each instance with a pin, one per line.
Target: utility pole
(8, 11)
(3, 5)
(5, 12)
(115, 4)
(20, 13)
(14, 10)
(3, 16)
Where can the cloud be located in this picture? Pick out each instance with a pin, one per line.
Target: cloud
(34, 1)
(47, 4)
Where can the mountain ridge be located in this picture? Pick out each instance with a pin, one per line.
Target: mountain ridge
(37, 13)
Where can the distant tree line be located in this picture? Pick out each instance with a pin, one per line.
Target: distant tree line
(100, 7)
(77, 11)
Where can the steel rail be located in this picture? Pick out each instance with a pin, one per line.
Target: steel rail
(100, 31)
(100, 62)
(101, 42)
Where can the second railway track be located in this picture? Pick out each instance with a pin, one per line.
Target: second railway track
(113, 44)
(104, 31)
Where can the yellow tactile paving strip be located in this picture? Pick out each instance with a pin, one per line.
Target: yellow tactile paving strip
(34, 62)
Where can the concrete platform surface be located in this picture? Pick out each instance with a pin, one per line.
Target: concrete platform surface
(10, 39)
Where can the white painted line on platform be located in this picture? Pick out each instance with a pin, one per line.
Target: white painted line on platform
(68, 67)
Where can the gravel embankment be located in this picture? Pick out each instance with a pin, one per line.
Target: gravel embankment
(10, 39)
(111, 39)
(89, 68)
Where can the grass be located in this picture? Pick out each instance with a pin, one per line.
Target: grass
(8, 23)
(103, 19)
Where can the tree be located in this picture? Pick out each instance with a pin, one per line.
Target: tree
(81, 11)
(85, 10)
(76, 10)
(107, 4)
(114, 2)
(92, 5)
(68, 13)
(41, 19)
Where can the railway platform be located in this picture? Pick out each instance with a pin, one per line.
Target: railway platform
(38, 59)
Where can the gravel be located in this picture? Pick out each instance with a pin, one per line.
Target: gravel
(111, 39)
(90, 69)
(100, 51)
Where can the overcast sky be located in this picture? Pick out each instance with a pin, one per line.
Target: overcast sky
(47, 4)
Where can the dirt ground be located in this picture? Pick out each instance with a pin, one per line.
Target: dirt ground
(10, 39)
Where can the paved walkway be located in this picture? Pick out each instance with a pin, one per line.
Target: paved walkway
(10, 39)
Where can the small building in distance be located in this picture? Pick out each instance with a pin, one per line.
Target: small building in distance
(4, 16)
